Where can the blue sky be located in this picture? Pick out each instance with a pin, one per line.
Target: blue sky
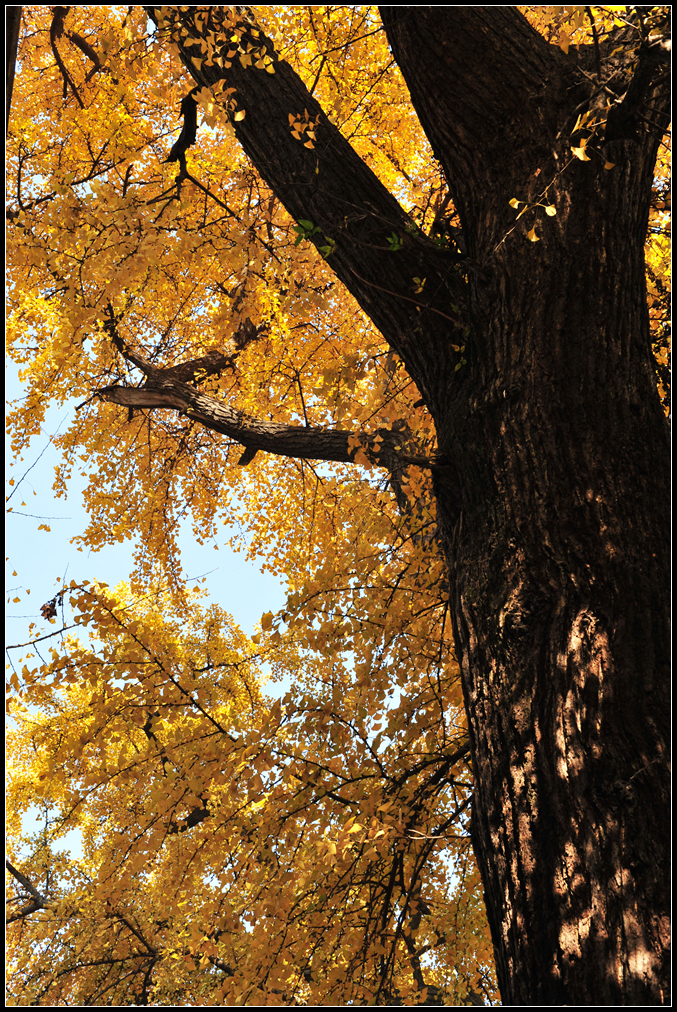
(43, 560)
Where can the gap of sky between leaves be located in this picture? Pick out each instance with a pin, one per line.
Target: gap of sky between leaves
(46, 560)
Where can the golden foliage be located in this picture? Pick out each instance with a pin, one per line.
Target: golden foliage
(236, 849)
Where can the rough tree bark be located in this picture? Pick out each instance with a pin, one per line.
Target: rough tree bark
(552, 474)
(12, 26)
(559, 554)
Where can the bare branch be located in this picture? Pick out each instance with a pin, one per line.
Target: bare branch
(210, 364)
(29, 643)
(308, 443)
(164, 389)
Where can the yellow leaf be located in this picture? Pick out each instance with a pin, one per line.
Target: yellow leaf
(581, 153)
(564, 41)
(582, 120)
(515, 202)
(609, 165)
(309, 144)
(532, 237)
(362, 459)
(240, 115)
(551, 211)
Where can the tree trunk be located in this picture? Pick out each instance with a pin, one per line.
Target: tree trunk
(12, 27)
(552, 478)
(560, 564)
(559, 546)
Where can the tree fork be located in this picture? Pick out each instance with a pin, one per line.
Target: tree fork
(560, 557)
(331, 186)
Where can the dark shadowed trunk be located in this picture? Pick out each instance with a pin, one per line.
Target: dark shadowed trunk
(12, 26)
(559, 551)
(553, 467)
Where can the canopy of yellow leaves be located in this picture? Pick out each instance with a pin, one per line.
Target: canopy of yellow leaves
(236, 850)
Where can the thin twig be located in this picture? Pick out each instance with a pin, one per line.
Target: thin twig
(17, 646)
(36, 461)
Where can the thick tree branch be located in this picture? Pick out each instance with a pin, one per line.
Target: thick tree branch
(188, 131)
(319, 177)
(256, 434)
(171, 388)
(55, 32)
(12, 26)
(213, 363)
(468, 70)
(625, 118)
(89, 51)
(39, 902)
(193, 818)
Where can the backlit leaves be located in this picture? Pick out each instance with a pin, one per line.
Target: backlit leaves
(236, 848)
(192, 791)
